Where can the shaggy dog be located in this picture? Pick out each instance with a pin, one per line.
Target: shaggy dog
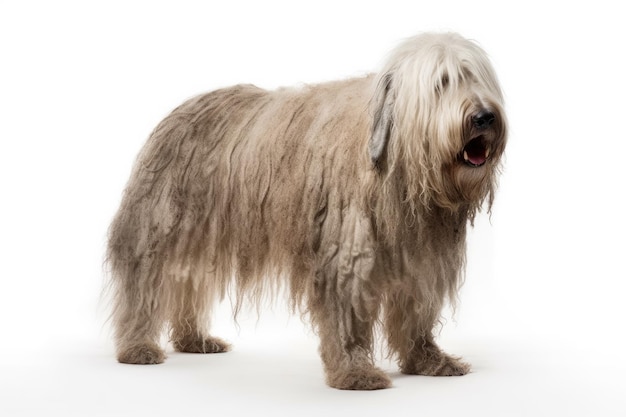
(353, 196)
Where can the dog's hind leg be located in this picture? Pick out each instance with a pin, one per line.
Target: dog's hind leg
(136, 254)
(192, 307)
(138, 314)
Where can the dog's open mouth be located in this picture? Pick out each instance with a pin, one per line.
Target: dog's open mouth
(476, 152)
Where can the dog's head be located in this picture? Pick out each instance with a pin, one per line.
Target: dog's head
(438, 121)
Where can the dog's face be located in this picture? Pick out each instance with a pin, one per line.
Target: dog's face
(439, 117)
(476, 142)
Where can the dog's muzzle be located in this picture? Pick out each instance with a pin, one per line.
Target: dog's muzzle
(476, 151)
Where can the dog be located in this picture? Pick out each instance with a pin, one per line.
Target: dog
(353, 197)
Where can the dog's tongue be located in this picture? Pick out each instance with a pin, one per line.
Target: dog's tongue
(477, 158)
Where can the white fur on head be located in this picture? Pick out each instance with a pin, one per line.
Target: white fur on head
(432, 84)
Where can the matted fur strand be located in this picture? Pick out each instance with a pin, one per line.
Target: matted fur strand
(355, 195)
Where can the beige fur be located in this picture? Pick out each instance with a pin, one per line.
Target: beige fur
(353, 195)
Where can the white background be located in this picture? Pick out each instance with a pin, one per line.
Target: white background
(82, 84)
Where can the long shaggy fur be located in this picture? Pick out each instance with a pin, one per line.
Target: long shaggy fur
(352, 194)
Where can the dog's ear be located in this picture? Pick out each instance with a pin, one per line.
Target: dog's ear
(382, 120)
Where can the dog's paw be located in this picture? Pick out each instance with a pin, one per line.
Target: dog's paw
(148, 354)
(361, 379)
(451, 366)
(208, 345)
(437, 365)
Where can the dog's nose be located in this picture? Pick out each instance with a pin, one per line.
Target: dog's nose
(483, 119)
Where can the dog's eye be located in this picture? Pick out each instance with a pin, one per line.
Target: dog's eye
(442, 84)
(444, 81)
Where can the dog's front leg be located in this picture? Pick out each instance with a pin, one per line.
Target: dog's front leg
(409, 326)
(346, 345)
(344, 305)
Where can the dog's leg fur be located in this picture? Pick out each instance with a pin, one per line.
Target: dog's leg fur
(346, 352)
(429, 277)
(137, 261)
(190, 321)
(410, 336)
(139, 316)
(344, 306)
